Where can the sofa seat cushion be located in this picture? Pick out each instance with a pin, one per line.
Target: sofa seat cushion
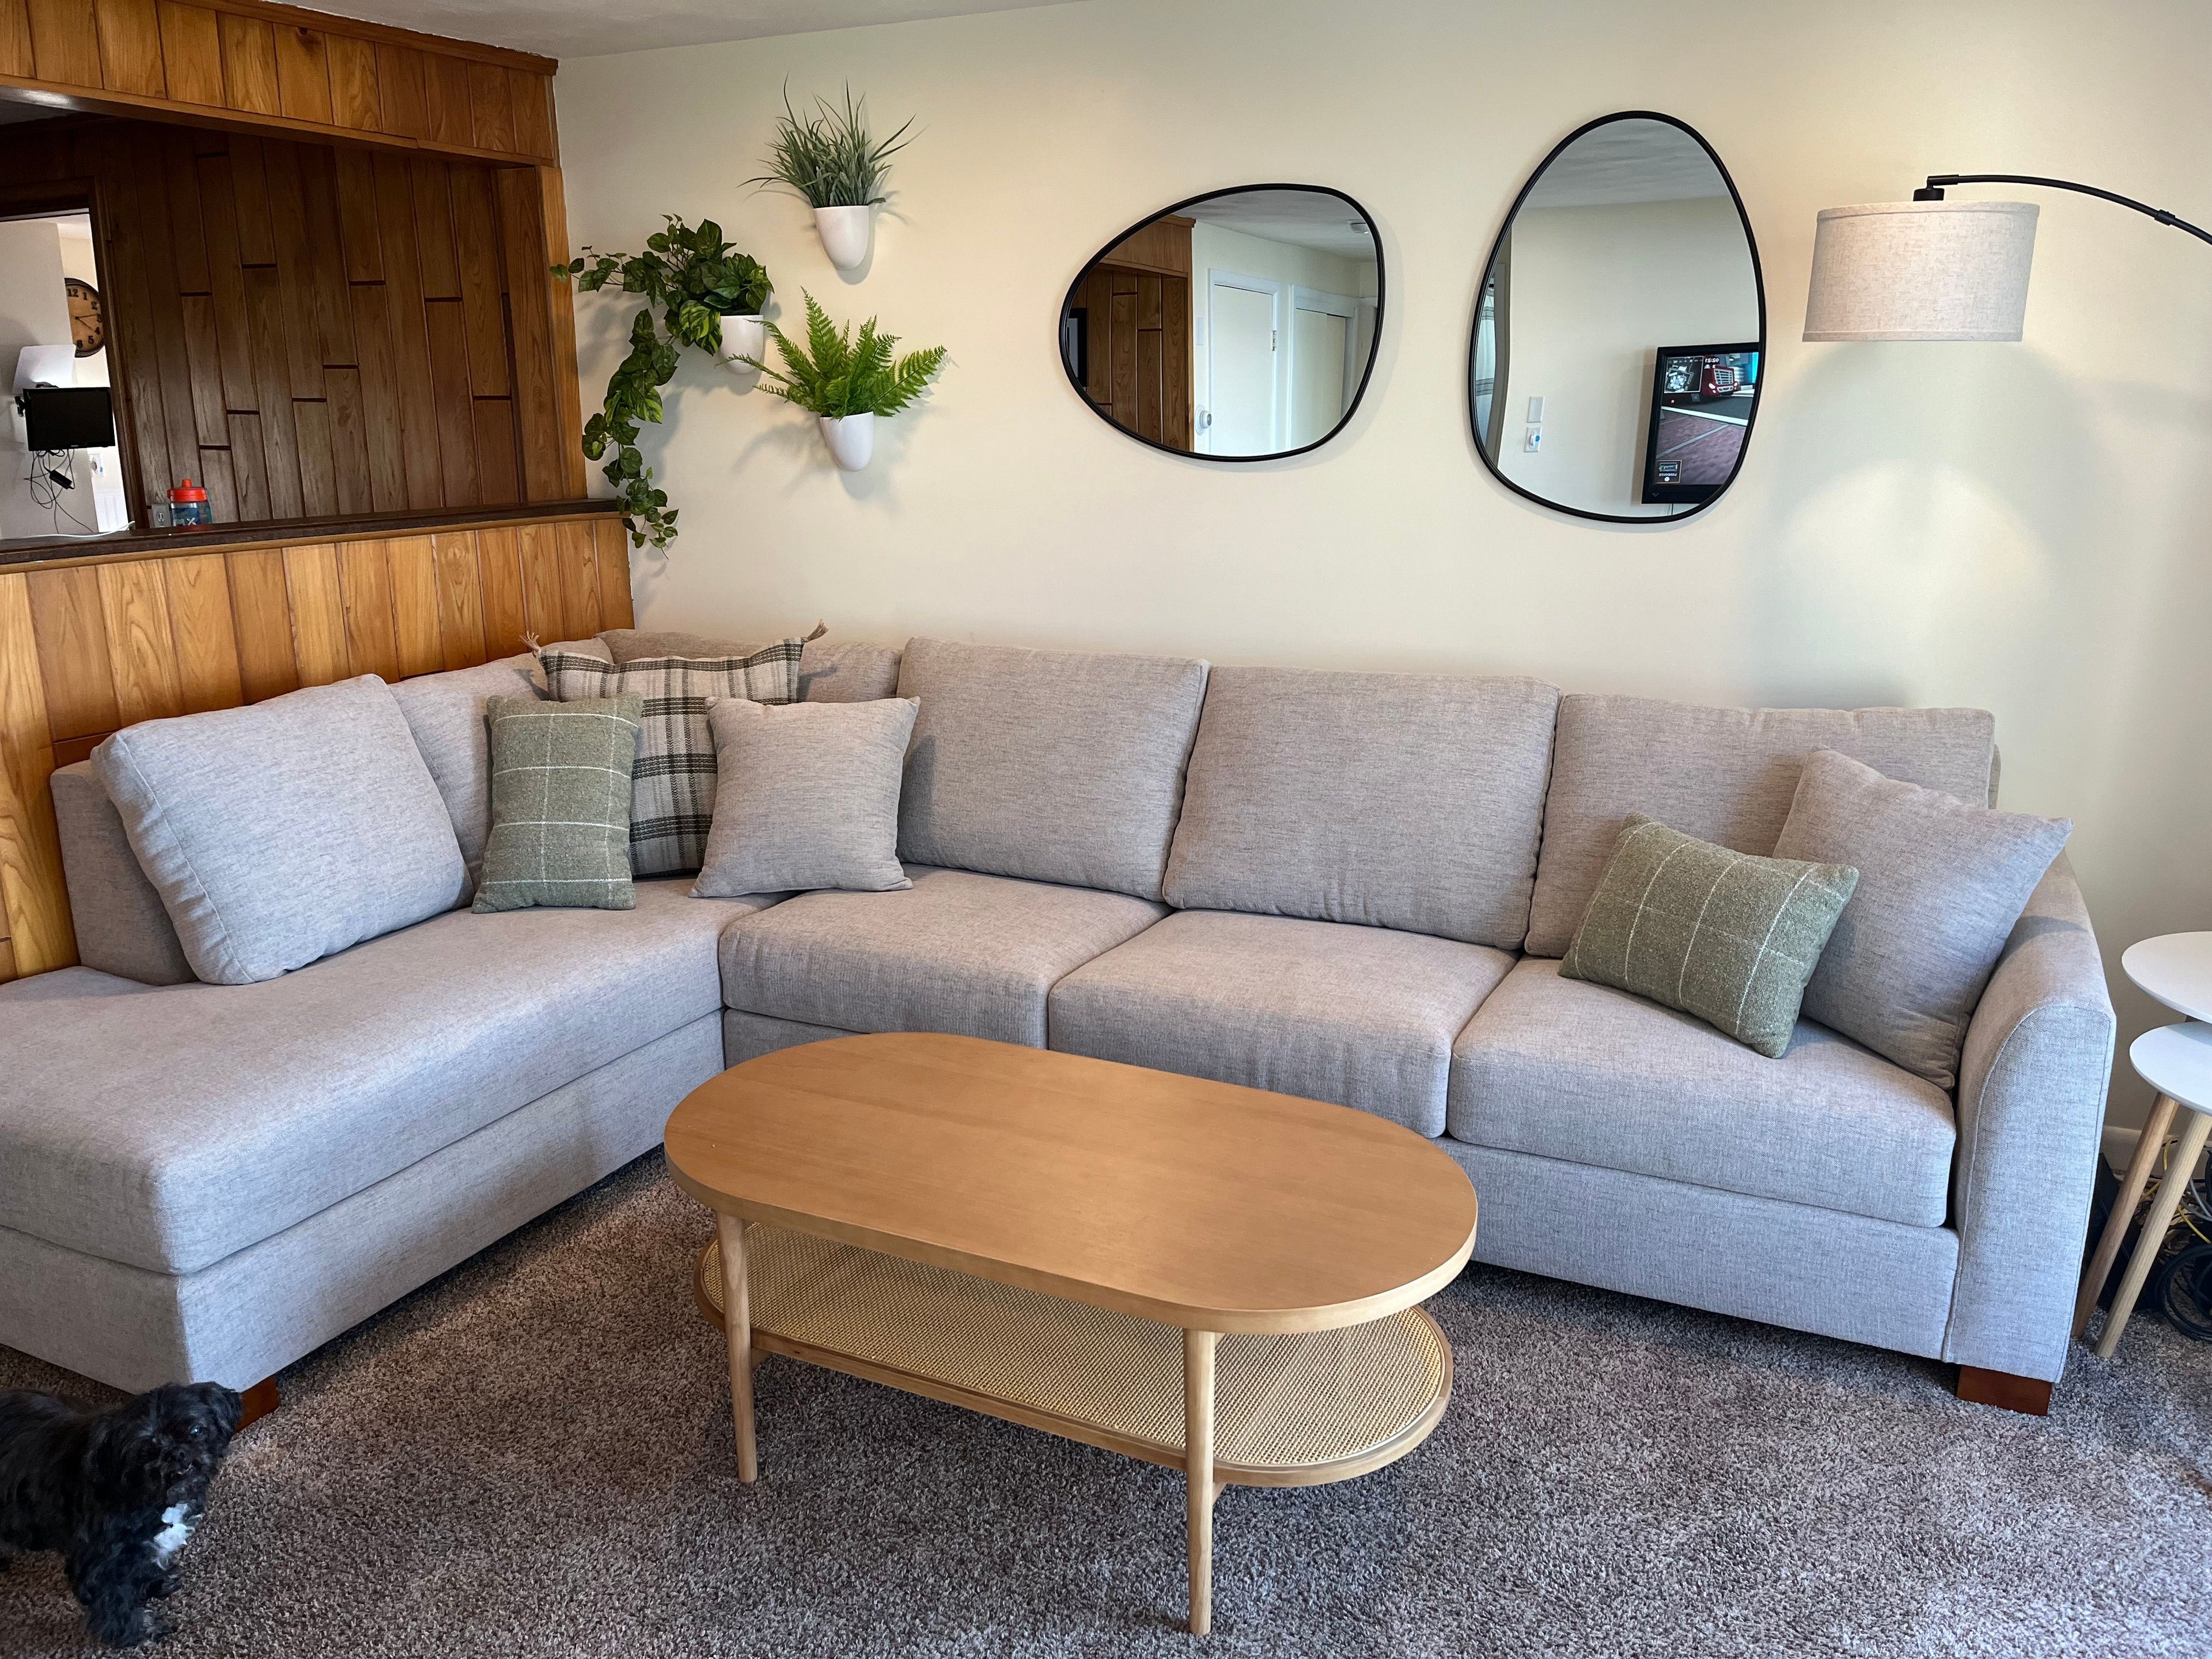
(1564, 1069)
(170, 1127)
(1363, 1017)
(973, 955)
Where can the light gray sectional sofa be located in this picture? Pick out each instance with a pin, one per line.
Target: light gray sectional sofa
(1354, 887)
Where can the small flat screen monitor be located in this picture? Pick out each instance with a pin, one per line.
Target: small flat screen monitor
(68, 417)
(1701, 403)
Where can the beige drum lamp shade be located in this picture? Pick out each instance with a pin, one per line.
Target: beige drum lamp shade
(1921, 271)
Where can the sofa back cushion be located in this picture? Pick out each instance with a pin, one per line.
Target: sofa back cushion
(280, 833)
(1720, 774)
(847, 671)
(445, 713)
(1053, 765)
(830, 670)
(121, 927)
(1411, 801)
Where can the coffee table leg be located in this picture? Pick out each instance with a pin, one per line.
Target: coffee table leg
(738, 1321)
(1198, 1472)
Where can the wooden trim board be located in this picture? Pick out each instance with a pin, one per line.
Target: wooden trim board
(260, 65)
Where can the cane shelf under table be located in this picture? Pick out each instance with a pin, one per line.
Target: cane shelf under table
(1291, 1408)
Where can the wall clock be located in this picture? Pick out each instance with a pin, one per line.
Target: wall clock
(85, 323)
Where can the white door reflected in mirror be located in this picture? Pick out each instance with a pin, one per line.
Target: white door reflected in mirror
(1242, 367)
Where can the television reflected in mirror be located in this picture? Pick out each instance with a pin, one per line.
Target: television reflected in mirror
(1236, 327)
(1629, 238)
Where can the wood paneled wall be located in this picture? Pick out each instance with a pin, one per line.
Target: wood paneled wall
(1136, 305)
(90, 646)
(1136, 330)
(278, 65)
(313, 330)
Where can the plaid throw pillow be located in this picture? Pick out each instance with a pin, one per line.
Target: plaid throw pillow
(672, 789)
(1722, 935)
(560, 805)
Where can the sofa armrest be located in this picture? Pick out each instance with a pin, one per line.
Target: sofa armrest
(2032, 1087)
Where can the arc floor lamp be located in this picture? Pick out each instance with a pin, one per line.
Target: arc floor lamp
(1931, 269)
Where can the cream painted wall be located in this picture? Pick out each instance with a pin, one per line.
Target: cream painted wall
(1594, 290)
(2025, 528)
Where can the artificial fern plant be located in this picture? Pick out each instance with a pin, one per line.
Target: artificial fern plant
(835, 374)
(693, 279)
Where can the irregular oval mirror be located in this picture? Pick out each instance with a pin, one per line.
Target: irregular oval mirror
(1621, 328)
(1236, 326)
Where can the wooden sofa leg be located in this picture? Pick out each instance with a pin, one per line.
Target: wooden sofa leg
(260, 1400)
(2016, 1393)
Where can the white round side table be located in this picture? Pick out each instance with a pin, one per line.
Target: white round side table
(2176, 969)
(2176, 1061)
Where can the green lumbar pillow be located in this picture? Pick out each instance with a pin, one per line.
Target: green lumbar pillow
(1722, 935)
(560, 803)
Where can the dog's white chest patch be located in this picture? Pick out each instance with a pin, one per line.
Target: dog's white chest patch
(177, 1523)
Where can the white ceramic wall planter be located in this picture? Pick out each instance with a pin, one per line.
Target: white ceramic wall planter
(851, 438)
(845, 232)
(744, 337)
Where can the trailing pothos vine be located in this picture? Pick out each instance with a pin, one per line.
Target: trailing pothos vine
(691, 279)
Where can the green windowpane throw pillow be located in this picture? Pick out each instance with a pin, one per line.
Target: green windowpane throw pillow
(1725, 936)
(560, 803)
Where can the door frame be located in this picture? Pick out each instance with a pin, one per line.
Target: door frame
(44, 198)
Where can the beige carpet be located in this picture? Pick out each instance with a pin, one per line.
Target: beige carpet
(532, 1457)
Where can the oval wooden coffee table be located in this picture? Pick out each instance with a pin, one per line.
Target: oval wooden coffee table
(1023, 1232)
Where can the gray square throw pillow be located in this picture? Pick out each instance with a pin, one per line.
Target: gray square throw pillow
(560, 803)
(1940, 885)
(674, 792)
(279, 833)
(1728, 937)
(806, 797)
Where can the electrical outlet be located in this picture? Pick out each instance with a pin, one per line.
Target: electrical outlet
(1532, 440)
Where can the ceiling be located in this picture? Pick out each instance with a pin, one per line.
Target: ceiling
(1303, 218)
(594, 29)
(1626, 162)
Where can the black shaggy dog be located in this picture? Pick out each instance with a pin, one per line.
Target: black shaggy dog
(118, 1492)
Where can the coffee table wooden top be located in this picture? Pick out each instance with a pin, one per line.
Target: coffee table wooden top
(1186, 1201)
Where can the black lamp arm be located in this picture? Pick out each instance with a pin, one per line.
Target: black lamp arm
(1932, 191)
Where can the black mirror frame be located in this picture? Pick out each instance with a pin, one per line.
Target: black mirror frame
(1758, 282)
(1366, 372)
